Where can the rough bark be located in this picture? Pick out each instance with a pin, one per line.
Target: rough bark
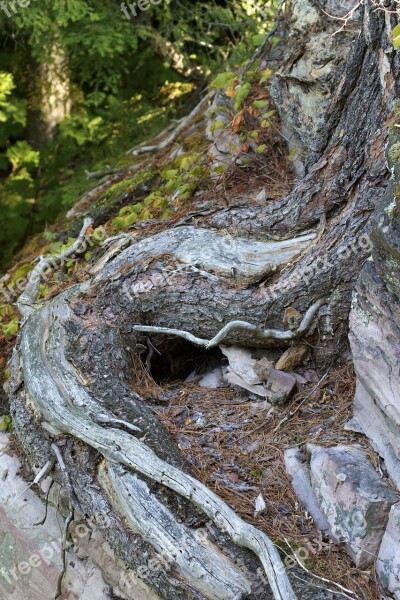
(72, 368)
(50, 100)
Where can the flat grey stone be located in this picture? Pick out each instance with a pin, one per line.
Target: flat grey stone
(354, 499)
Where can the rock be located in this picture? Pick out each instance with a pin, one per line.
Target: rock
(374, 338)
(241, 370)
(213, 380)
(292, 358)
(260, 505)
(30, 556)
(375, 331)
(280, 386)
(83, 581)
(311, 376)
(388, 563)
(261, 196)
(263, 367)
(234, 379)
(354, 426)
(241, 363)
(300, 380)
(299, 472)
(355, 500)
(226, 145)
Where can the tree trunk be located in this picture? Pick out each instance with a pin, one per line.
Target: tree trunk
(49, 101)
(72, 368)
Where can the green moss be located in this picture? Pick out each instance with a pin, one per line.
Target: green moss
(21, 272)
(6, 310)
(115, 191)
(394, 152)
(126, 210)
(11, 328)
(396, 111)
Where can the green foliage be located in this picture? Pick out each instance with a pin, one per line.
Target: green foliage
(223, 80)
(6, 423)
(11, 328)
(6, 87)
(127, 79)
(396, 36)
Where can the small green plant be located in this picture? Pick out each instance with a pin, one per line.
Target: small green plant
(394, 152)
(6, 423)
(396, 36)
(11, 328)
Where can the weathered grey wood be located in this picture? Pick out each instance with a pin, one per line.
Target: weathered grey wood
(158, 525)
(63, 402)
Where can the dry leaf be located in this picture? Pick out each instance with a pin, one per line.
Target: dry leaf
(237, 122)
(234, 477)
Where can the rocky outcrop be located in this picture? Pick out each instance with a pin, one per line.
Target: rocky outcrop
(299, 473)
(30, 553)
(303, 92)
(375, 333)
(345, 497)
(375, 344)
(388, 563)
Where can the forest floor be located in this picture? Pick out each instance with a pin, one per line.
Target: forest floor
(235, 442)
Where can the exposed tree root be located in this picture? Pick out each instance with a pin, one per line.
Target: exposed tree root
(175, 133)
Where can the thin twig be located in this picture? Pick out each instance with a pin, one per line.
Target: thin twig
(42, 473)
(296, 410)
(176, 132)
(46, 505)
(344, 591)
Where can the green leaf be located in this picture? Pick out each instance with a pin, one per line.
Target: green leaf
(11, 328)
(222, 80)
(49, 236)
(396, 31)
(170, 174)
(260, 103)
(5, 423)
(257, 39)
(268, 114)
(242, 91)
(126, 210)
